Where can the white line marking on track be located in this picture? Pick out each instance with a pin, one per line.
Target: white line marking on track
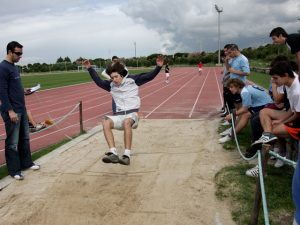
(219, 89)
(169, 98)
(192, 110)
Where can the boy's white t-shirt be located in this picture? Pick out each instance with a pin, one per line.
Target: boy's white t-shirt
(293, 94)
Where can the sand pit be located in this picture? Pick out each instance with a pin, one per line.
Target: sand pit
(170, 181)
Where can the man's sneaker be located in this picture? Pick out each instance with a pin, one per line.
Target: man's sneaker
(223, 114)
(276, 150)
(265, 138)
(110, 158)
(125, 160)
(225, 123)
(279, 163)
(222, 110)
(40, 126)
(253, 172)
(35, 167)
(18, 176)
(224, 139)
(226, 132)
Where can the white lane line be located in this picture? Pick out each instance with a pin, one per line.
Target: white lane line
(219, 89)
(192, 110)
(170, 97)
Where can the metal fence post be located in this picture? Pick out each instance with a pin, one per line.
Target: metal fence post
(81, 118)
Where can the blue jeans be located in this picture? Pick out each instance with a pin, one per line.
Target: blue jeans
(17, 146)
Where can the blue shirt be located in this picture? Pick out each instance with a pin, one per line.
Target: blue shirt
(240, 63)
(254, 96)
(11, 89)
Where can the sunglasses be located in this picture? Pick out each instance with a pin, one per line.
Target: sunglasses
(18, 53)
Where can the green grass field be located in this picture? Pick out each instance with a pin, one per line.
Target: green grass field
(48, 80)
(260, 79)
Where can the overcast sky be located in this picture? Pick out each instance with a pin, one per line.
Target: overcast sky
(92, 29)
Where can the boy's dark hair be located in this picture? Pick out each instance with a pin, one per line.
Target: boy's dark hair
(284, 58)
(227, 46)
(12, 45)
(118, 68)
(278, 59)
(278, 31)
(114, 57)
(236, 83)
(281, 68)
(234, 47)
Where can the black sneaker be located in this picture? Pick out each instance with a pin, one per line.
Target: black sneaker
(251, 151)
(110, 158)
(125, 160)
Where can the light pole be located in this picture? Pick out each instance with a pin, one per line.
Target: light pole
(219, 10)
(135, 54)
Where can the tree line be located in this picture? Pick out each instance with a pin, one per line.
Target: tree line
(263, 53)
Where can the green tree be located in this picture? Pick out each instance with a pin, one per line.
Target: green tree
(59, 60)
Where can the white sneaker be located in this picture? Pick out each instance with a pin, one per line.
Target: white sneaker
(225, 123)
(226, 132)
(279, 163)
(35, 167)
(19, 176)
(253, 172)
(224, 139)
(222, 110)
(276, 150)
(224, 114)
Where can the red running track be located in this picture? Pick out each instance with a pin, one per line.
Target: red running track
(187, 96)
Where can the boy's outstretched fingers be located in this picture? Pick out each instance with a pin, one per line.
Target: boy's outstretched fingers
(86, 63)
(160, 60)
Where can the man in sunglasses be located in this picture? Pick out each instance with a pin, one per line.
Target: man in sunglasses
(13, 112)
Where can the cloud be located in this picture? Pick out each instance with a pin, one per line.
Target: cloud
(93, 29)
(90, 31)
(193, 25)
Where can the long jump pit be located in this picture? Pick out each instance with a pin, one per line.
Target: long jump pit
(170, 180)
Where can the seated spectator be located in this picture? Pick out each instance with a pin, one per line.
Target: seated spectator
(281, 123)
(277, 123)
(281, 102)
(254, 99)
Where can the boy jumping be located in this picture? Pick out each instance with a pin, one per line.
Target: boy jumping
(124, 89)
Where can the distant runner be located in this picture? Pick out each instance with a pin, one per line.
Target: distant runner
(200, 67)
